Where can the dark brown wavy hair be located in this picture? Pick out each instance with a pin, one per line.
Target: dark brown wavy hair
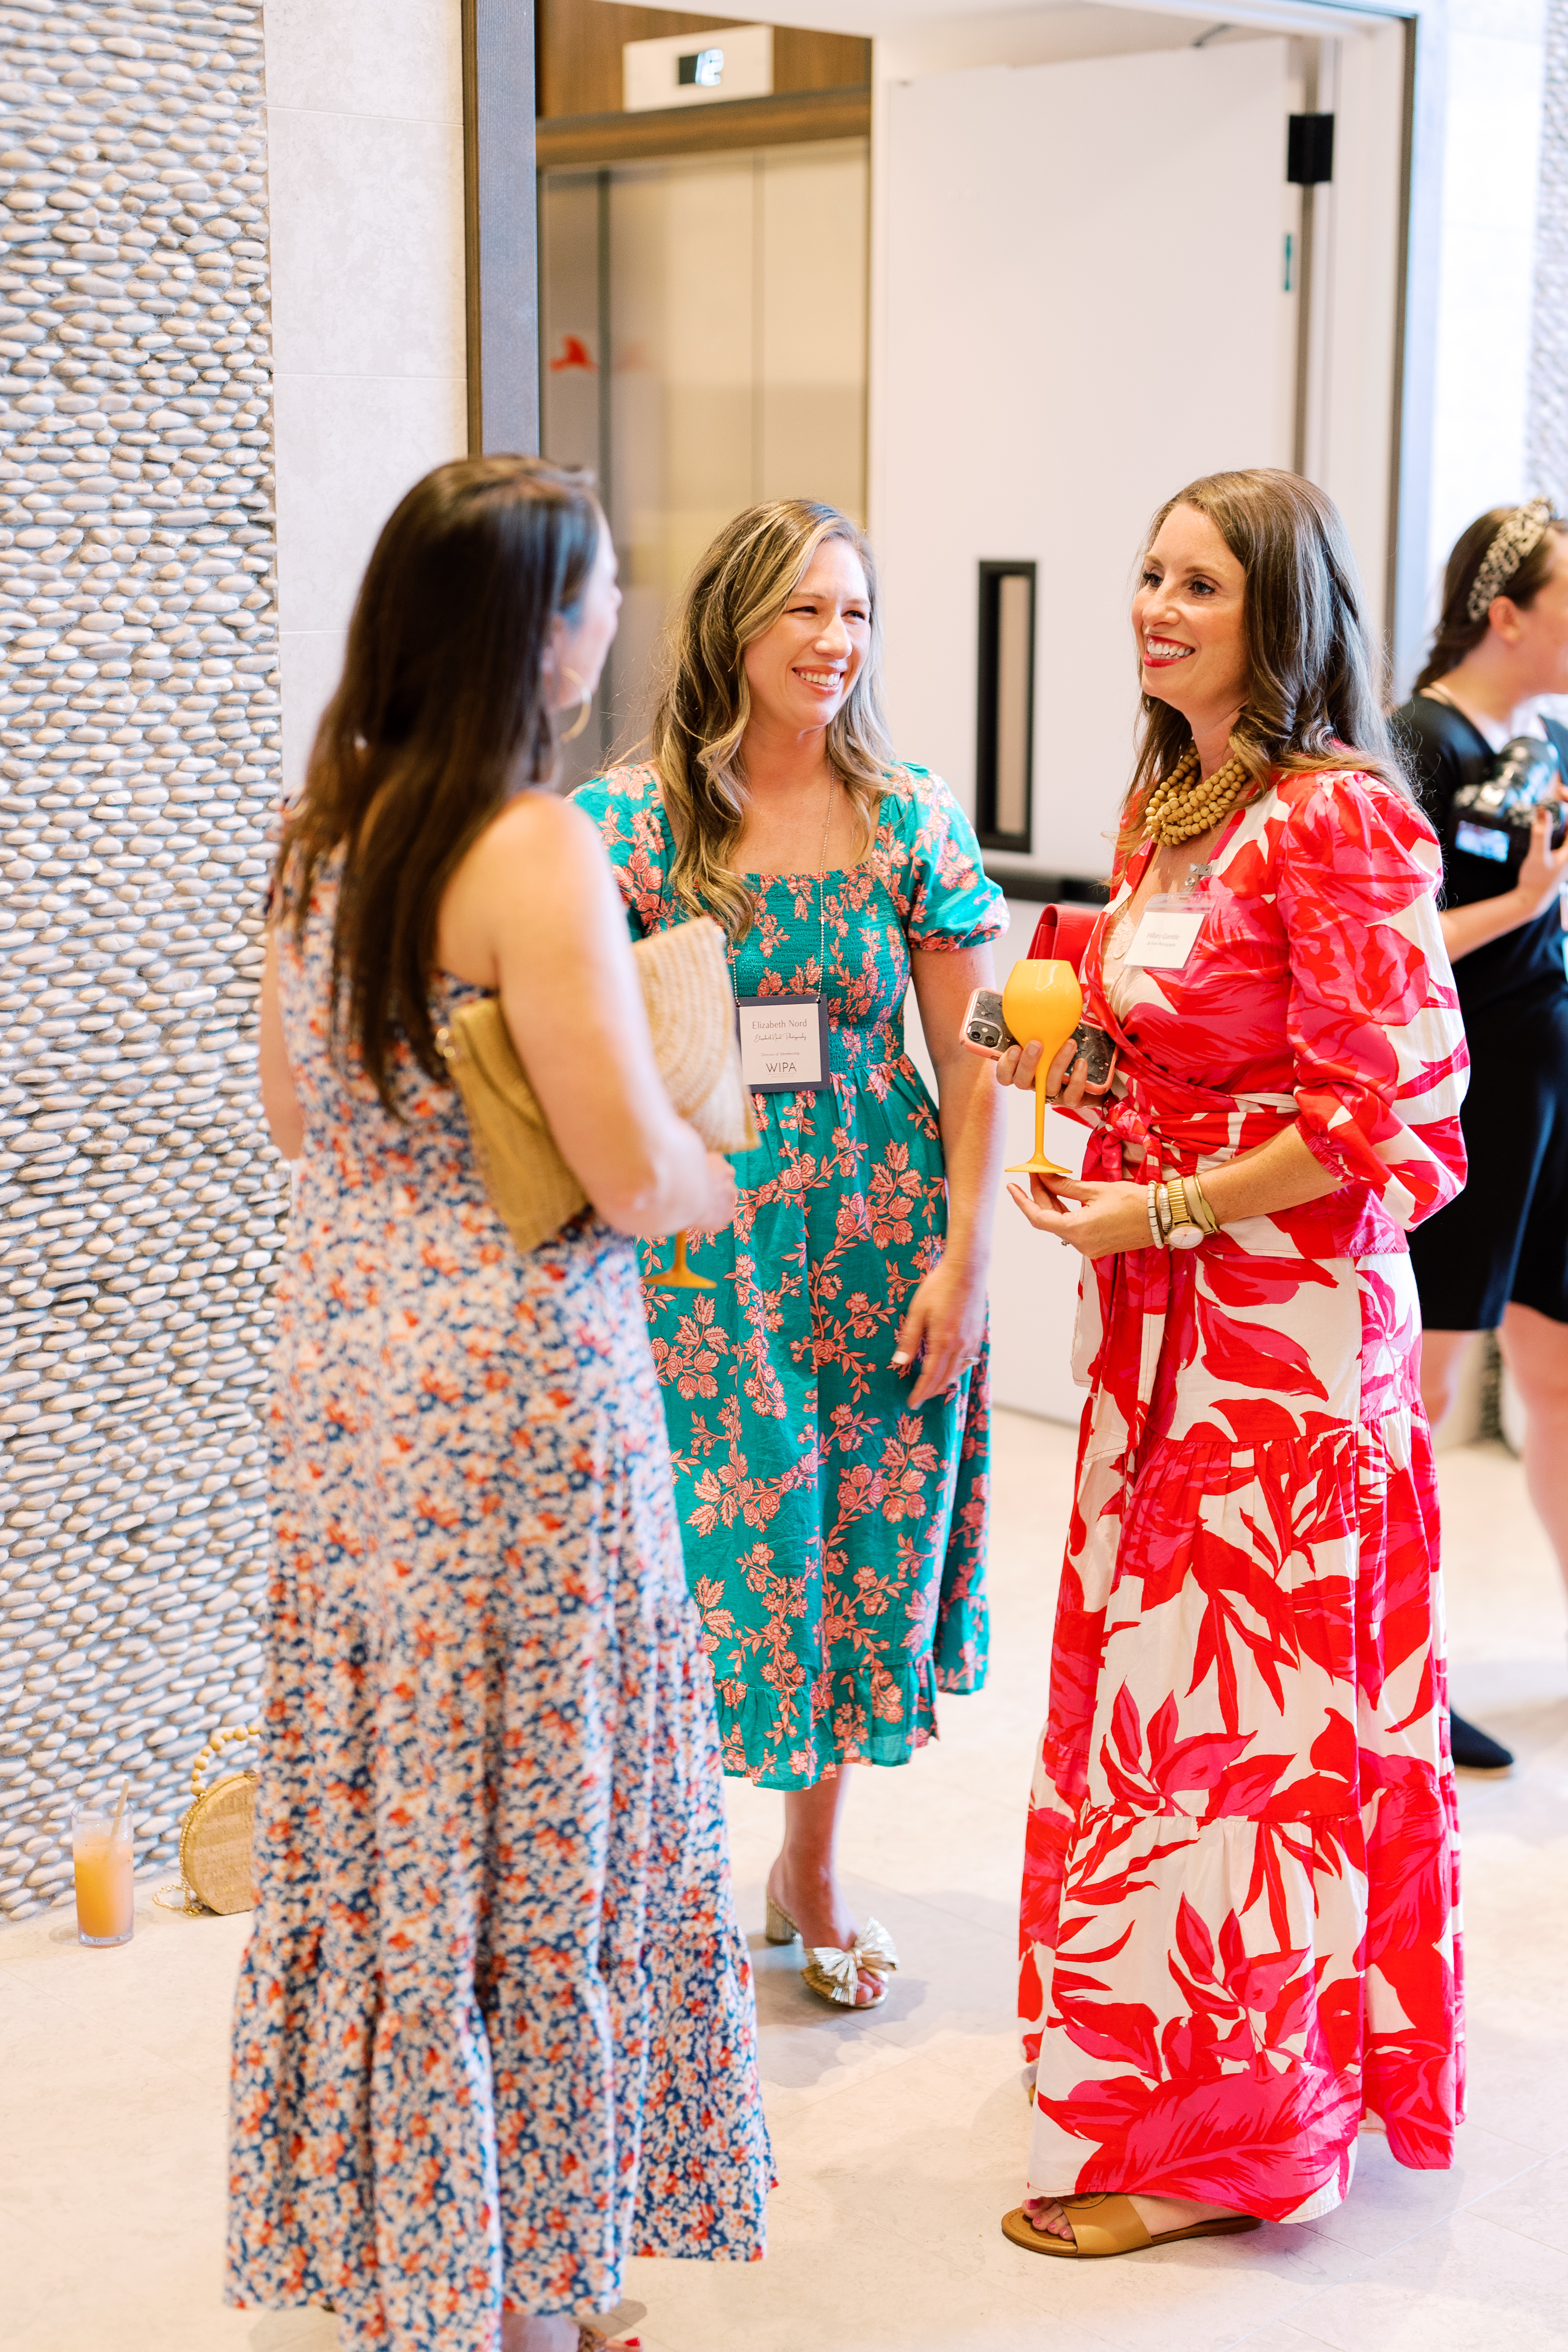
(1312, 699)
(438, 719)
(1458, 634)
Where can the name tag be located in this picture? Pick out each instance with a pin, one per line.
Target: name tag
(784, 1044)
(1166, 938)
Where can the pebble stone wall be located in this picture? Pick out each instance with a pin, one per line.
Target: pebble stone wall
(140, 1203)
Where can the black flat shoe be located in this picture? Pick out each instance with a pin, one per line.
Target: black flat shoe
(1476, 1751)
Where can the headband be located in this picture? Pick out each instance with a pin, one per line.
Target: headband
(1519, 536)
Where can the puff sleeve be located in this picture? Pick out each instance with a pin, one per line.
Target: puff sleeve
(628, 810)
(944, 893)
(1373, 1017)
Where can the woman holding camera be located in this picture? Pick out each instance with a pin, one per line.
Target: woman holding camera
(827, 1399)
(1497, 1259)
(494, 2031)
(1239, 1894)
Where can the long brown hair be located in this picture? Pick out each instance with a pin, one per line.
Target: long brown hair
(1458, 634)
(1312, 701)
(736, 594)
(438, 720)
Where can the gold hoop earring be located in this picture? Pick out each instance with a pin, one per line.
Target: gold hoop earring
(570, 734)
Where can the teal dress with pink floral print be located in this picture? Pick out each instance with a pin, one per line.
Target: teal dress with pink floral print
(835, 1540)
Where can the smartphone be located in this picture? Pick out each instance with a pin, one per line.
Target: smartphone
(986, 1032)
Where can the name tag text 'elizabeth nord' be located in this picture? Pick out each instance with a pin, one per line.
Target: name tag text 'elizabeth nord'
(781, 1045)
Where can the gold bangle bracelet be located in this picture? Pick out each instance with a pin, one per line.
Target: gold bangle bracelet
(1198, 1202)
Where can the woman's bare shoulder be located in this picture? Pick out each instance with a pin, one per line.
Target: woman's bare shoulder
(535, 825)
(539, 874)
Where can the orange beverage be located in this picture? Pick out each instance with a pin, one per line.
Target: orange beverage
(1042, 1003)
(103, 1850)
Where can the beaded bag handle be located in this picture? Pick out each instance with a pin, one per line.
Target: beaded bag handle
(219, 1739)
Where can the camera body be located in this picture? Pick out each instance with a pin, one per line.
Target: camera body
(1492, 819)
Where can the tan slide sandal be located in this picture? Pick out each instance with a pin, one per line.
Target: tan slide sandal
(606, 2331)
(833, 1973)
(1110, 2224)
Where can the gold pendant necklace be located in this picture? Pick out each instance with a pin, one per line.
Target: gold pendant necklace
(1181, 807)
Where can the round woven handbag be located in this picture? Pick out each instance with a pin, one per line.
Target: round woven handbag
(216, 1835)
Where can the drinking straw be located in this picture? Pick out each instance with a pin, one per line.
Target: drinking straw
(120, 1808)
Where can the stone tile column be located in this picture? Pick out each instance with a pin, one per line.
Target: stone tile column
(140, 1200)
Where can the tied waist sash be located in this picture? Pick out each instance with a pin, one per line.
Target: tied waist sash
(1162, 1125)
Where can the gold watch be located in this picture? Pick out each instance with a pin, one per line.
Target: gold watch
(1186, 1231)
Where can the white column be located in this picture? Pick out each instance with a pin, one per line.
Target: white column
(366, 173)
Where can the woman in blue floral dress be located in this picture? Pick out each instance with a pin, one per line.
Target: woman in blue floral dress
(827, 1397)
(495, 2029)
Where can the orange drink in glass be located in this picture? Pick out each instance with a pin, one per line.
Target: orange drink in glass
(1042, 1003)
(103, 1850)
(680, 1276)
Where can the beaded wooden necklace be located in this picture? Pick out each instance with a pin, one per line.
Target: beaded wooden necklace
(1180, 807)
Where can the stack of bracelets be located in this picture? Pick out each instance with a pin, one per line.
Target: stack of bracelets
(1179, 1213)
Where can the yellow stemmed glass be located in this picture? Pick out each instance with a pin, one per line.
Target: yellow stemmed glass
(680, 1276)
(1042, 1003)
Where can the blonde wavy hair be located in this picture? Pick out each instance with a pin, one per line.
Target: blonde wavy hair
(737, 592)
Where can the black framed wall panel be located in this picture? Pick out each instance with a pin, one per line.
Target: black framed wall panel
(1004, 731)
(501, 222)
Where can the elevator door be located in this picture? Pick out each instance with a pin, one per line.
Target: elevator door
(703, 348)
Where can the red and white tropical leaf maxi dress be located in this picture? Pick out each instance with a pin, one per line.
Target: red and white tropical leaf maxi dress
(1240, 1922)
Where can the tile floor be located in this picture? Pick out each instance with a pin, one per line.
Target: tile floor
(901, 2141)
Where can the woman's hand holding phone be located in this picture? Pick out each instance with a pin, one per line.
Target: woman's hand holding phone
(1017, 1065)
(985, 1033)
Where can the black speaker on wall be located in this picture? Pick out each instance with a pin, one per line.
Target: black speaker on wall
(1005, 742)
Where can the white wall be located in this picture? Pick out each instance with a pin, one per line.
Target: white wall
(1033, 1280)
(1349, 437)
(365, 175)
(1062, 336)
(1491, 156)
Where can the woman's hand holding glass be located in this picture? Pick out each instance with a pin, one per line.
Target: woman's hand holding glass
(1064, 1079)
(719, 1213)
(1109, 1217)
(1106, 1217)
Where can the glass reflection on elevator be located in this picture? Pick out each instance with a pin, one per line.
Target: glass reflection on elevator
(704, 347)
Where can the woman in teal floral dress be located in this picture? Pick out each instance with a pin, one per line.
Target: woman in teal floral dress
(827, 1399)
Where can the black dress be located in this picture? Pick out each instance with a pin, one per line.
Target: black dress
(1506, 1236)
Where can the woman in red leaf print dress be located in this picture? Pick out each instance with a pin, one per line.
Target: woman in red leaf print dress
(1239, 1928)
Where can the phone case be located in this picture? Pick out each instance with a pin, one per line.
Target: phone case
(985, 1030)
(1096, 1046)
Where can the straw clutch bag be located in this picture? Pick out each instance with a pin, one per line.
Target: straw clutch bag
(216, 1835)
(685, 976)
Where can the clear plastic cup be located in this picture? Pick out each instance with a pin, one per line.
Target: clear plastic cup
(105, 1864)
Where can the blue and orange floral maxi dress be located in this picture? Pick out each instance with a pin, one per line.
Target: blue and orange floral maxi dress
(835, 1540)
(495, 2029)
(1240, 1910)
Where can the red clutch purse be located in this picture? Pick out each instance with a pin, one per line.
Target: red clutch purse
(1062, 933)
